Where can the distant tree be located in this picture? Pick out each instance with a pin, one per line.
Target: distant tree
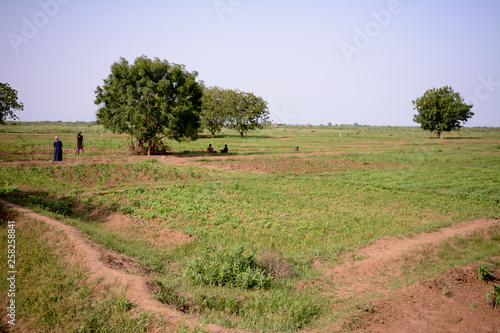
(215, 109)
(247, 112)
(150, 100)
(329, 124)
(441, 110)
(8, 103)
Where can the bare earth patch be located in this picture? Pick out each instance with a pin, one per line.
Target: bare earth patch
(108, 266)
(421, 307)
(381, 261)
(453, 301)
(155, 233)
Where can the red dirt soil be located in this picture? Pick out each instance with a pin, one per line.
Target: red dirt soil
(113, 270)
(425, 307)
(420, 307)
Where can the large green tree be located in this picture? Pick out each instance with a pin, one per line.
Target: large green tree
(8, 102)
(247, 112)
(441, 110)
(150, 100)
(215, 109)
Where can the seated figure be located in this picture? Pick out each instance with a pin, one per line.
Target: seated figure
(225, 150)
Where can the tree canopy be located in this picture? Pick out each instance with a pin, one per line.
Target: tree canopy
(150, 100)
(215, 109)
(8, 103)
(441, 110)
(246, 111)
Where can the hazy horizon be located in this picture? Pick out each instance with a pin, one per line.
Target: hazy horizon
(314, 62)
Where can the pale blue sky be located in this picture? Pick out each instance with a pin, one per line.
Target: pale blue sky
(314, 61)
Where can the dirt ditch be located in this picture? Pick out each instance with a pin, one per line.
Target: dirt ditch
(421, 307)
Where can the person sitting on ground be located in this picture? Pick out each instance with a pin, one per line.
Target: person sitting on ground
(225, 150)
(210, 149)
(296, 149)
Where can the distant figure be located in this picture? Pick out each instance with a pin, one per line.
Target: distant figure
(340, 135)
(225, 150)
(210, 149)
(296, 149)
(57, 149)
(79, 142)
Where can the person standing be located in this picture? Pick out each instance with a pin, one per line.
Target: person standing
(58, 150)
(79, 142)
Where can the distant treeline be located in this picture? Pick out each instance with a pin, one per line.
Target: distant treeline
(47, 122)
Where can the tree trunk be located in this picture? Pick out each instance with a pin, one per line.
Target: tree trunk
(439, 135)
(241, 133)
(213, 134)
(149, 147)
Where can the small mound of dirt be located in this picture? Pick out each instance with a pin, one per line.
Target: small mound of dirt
(275, 264)
(116, 261)
(456, 276)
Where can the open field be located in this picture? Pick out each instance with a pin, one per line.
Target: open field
(265, 238)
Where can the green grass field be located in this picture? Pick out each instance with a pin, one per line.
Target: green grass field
(336, 195)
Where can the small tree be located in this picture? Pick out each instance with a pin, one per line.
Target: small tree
(441, 110)
(247, 111)
(8, 103)
(150, 100)
(215, 109)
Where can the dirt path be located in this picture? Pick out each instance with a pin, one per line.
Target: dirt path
(99, 262)
(363, 275)
(187, 159)
(383, 259)
(452, 301)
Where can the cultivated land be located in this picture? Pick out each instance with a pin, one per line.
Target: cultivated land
(380, 230)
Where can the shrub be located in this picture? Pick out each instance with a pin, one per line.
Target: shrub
(227, 267)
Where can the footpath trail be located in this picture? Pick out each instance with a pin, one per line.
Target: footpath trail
(135, 286)
(380, 259)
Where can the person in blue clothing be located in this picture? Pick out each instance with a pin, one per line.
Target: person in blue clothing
(58, 150)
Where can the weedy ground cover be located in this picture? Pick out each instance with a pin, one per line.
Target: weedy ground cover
(312, 207)
(52, 295)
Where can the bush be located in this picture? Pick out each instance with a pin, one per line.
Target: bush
(227, 267)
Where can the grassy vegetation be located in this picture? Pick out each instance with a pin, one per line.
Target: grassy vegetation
(456, 251)
(52, 295)
(334, 196)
